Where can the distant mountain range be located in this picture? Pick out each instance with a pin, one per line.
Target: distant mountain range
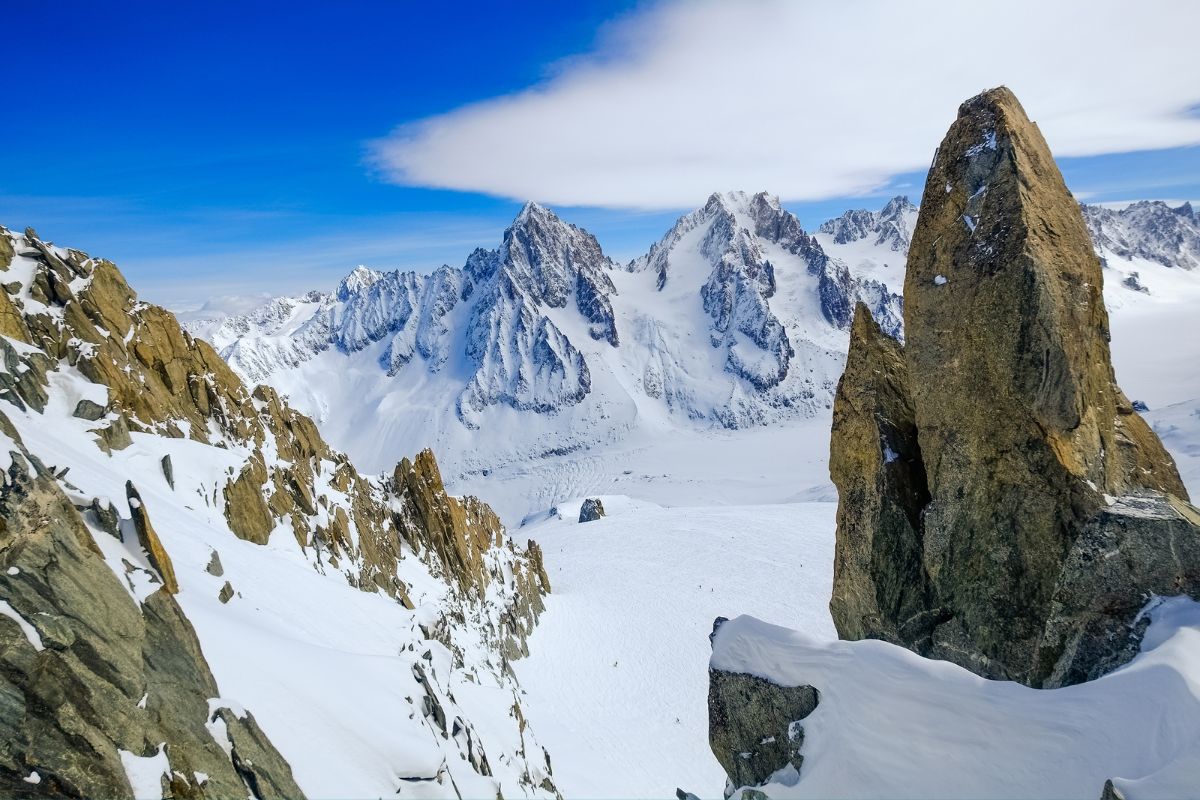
(737, 317)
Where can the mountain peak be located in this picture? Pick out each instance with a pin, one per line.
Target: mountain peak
(359, 279)
(897, 205)
(533, 212)
(742, 204)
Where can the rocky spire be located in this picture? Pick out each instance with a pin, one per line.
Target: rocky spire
(1004, 408)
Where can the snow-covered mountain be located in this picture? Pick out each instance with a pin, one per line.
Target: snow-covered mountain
(890, 227)
(735, 318)
(1148, 230)
(543, 351)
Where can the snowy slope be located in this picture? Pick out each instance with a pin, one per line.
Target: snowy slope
(888, 718)
(635, 595)
(331, 668)
(649, 580)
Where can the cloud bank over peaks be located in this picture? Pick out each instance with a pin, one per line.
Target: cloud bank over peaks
(816, 100)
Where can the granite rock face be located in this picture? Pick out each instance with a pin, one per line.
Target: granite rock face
(984, 466)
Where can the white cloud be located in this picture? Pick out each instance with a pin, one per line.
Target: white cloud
(808, 99)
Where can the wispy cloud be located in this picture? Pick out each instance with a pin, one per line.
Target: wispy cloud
(810, 100)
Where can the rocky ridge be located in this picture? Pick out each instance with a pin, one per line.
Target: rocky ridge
(85, 576)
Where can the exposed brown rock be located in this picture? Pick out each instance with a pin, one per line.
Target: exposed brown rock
(159, 559)
(245, 509)
(537, 564)
(977, 467)
(79, 311)
(113, 435)
(458, 531)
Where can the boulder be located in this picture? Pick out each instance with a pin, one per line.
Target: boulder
(753, 726)
(591, 510)
(107, 518)
(86, 409)
(114, 435)
(984, 466)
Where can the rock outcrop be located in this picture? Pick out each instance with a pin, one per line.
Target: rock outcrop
(754, 727)
(148, 539)
(99, 678)
(591, 510)
(1002, 505)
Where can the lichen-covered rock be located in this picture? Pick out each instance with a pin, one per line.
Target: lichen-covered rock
(981, 465)
(753, 727)
(591, 510)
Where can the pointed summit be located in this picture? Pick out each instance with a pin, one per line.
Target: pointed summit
(1029, 466)
(360, 279)
(533, 212)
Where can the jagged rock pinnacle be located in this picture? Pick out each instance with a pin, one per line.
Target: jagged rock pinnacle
(1004, 454)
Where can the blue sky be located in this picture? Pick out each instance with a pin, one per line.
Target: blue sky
(212, 150)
